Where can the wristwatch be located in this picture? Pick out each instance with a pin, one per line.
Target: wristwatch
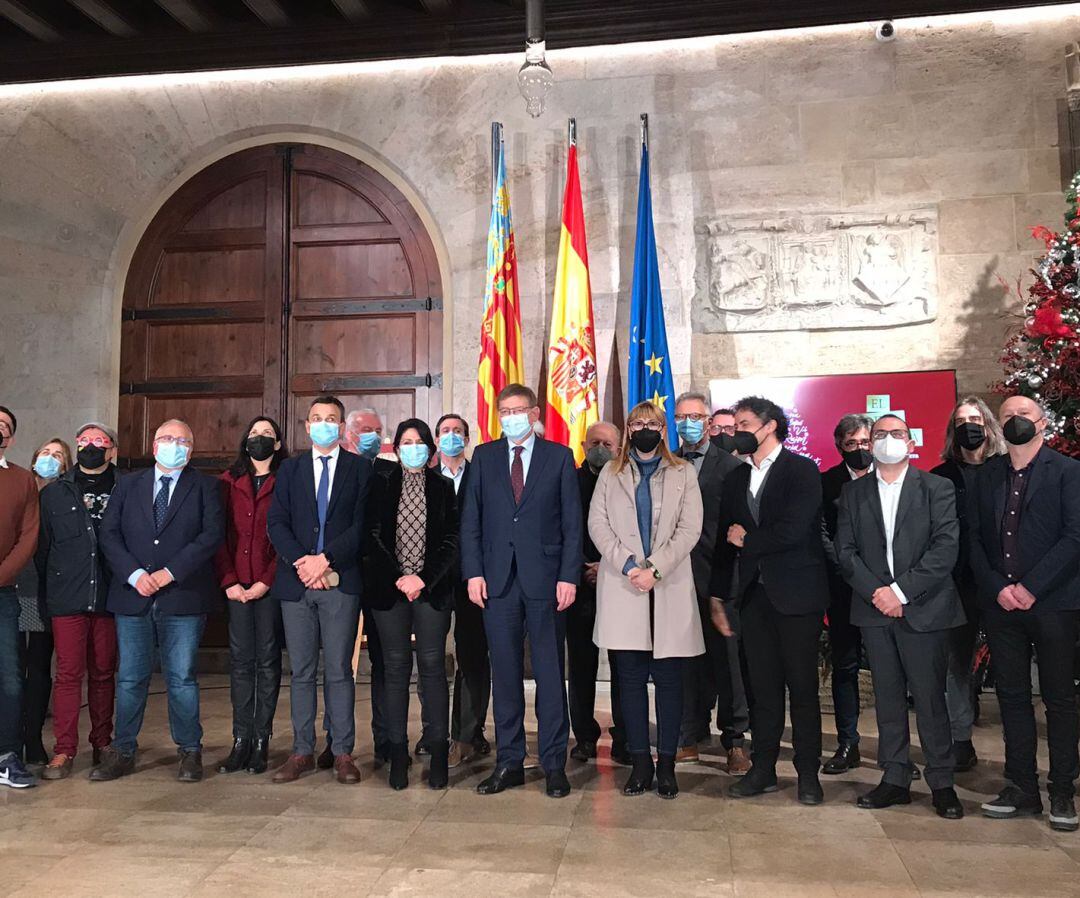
(656, 574)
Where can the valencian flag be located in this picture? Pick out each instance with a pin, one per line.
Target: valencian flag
(571, 387)
(500, 330)
(650, 363)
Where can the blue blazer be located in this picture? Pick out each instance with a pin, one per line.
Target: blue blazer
(542, 535)
(293, 521)
(194, 527)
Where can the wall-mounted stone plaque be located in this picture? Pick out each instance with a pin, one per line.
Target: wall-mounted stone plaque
(816, 271)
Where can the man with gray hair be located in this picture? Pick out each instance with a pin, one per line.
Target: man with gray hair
(363, 433)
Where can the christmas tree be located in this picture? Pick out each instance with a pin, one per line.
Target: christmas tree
(1042, 360)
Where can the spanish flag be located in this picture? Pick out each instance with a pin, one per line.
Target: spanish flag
(500, 330)
(572, 380)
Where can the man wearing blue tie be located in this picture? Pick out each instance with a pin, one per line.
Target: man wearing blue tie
(521, 555)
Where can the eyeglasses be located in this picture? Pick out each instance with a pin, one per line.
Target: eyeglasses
(100, 442)
(879, 435)
(168, 439)
(637, 426)
(849, 445)
(506, 412)
(690, 418)
(718, 429)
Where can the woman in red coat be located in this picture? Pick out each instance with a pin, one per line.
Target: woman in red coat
(245, 565)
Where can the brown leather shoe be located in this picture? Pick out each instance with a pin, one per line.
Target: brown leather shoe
(59, 768)
(113, 766)
(738, 761)
(460, 753)
(346, 771)
(294, 768)
(687, 755)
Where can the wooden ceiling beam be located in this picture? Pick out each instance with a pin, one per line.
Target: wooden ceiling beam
(354, 10)
(19, 15)
(270, 12)
(192, 14)
(438, 7)
(105, 17)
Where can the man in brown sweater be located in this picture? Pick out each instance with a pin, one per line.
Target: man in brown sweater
(18, 540)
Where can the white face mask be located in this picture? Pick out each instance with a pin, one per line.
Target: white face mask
(890, 451)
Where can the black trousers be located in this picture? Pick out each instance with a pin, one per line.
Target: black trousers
(396, 628)
(582, 663)
(714, 680)
(472, 679)
(35, 659)
(634, 669)
(1052, 634)
(255, 640)
(378, 680)
(782, 654)
(845, 648)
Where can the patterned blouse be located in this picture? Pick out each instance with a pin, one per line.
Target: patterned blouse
(412, 522)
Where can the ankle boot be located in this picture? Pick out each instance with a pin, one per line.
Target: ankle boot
(641, 776)
(260, 751)
(399, 766)
(438, 771)
(666, 785)
(238, 757)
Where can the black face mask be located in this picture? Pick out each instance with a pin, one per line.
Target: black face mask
(260, 448)
(91, 456)
(858, 459)
(1019, 431)
(725, 442)
(645, 440)
(970, 436)
(746, 442)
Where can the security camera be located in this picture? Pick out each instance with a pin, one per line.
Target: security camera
(885, 32)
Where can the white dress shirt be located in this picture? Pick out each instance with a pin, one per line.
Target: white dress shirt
(3, 462)
(526, 456)
(758, 474)
(456, 478)
(330, 468)
(889, 493)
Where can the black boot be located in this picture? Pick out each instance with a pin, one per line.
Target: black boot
(666, 785)
(238, 757)
(399, 766)
(438, 770)
(641, 777)
(258, 762)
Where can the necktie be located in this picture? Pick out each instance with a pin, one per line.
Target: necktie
(161, 501)
(691, 456)
(517, 475)
(323, 499)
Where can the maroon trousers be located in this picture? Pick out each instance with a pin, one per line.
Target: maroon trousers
(85, 648)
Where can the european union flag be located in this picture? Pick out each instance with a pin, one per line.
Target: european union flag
(650, 364)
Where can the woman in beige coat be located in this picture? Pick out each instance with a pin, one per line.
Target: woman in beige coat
(645, 519)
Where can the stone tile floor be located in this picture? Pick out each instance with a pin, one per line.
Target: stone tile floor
(238, 835)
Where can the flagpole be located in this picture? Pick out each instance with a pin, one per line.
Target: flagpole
(496, 142)
(571, 132)
(645, 130)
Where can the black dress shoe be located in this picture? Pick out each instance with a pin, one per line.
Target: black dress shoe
(846, 758)
(439, 769)
(113, 766)
(481, 746)
(325, 760)
(964, 753)
(399, 766)
(422, 750)
(947, 804)
(191, 769)
(916, 773)
(558, 786)
(583, 751)
(666, 784)
(641, 777)
(238, 757)
(503, 778)
(259, 761)
(809, 791)
(620, 754)
(756, 782)
(883, 795)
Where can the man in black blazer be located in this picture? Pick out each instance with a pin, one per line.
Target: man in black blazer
(159, 535)
(770, 562)
(521, 555)
(1025, 552)
(897, 540)
(315, 524)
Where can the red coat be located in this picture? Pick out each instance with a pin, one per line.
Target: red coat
(247, 555)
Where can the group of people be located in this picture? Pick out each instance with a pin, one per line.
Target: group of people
(710, 571)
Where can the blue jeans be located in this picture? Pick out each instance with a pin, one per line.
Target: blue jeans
(634, 669)
(177, 638)
(11, 684)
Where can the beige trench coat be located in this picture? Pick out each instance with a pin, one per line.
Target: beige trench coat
(622, 612)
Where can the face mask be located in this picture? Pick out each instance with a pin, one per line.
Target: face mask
(691, 432)
(597, 457)
(1019, 431)
(171, 455)
(645, 440)
(451, 444)
(890, 451)
(746, 442)
(260, 448)
(725, 442)
(91, 456)
(858, 459)
(369, 444)
(46, 467)
(515, 427)
(414, 455)
(970, 436)
(324, 433)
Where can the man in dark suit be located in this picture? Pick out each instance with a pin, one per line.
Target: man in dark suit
(159, 535)
(770, 562)
(897, 540)
(315, 524)
(521, 555)
(712, 680)
(1025, 552)
(852, 439)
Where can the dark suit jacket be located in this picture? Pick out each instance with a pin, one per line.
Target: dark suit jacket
(963, 480)
(193, 529)
(832, 482)
(293, 521)
(926, 540)
(587, 486)
(784, 550)
(1049, 532)
(715, 467)
(541, 536)
(441, 544)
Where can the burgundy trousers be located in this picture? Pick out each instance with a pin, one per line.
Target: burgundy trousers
(85, 648)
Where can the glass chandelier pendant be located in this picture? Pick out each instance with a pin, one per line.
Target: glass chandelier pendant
(535, 77)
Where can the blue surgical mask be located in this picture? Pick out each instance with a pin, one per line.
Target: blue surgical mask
(369, 444)
(515, 427)
(414, 455)
(46, 466)
(324, 433)
(171, 455)
(691, 432)
(452, 444)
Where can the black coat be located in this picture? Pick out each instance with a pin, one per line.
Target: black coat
(587, 486)
(832, 482)
(716, 465)
(441, 545)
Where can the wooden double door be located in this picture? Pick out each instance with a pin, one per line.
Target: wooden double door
(273, 276)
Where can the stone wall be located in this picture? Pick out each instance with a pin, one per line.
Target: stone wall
(957, 116)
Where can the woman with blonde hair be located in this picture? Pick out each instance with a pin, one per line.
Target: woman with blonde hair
(645, 519)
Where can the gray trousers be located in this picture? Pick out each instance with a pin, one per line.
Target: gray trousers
(329, 617)
(904, 660)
